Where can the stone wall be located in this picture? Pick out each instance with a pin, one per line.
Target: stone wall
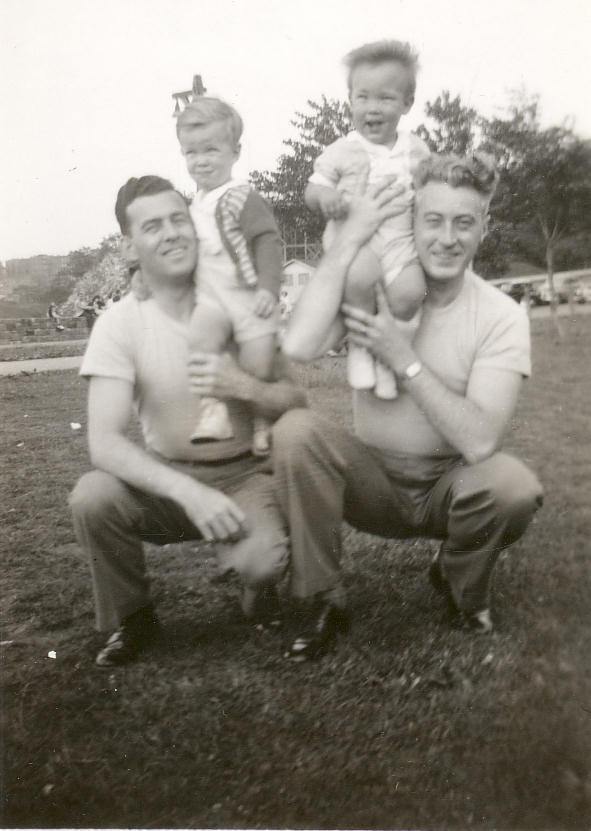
(39, 329)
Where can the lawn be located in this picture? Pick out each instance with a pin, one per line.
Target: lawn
(408, 723)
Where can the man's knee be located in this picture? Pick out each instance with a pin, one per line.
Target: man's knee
(295, 431)
(95, 495)
(504, 488)
(516, 490)
(261, 558)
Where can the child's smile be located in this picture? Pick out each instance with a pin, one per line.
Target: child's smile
(379, 97)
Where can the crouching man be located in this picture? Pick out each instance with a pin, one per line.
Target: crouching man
(171, 490)
(428, 462)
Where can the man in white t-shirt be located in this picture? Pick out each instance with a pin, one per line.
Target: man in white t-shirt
(169, 490)
(427, 463)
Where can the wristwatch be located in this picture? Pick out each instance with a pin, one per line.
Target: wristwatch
(412, 370)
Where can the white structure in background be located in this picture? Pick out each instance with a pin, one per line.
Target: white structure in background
(295, 276)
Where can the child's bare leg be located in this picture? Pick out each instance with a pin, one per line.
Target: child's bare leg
(210, 329)
(362, 276)
(257, 357)
(405, 295)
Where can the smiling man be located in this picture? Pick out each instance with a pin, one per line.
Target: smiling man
(427, 463)
(169, 490)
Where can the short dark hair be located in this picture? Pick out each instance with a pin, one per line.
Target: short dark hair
(477, 171)
(382, 51)
(133, 189)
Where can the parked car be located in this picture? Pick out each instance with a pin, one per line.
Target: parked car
(544, 294)
(582, 294)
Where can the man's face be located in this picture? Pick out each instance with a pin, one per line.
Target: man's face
(161, 237)
(448, 228)
(379, 97)
(210, 154)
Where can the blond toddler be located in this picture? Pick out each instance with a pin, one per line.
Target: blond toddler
(239, 263)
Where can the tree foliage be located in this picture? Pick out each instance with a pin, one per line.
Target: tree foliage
(544, 193)
(284, 187)
(106, 276)
(453, 126)
(79, 262)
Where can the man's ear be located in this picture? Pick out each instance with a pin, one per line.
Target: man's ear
(128, 250)
(238, 150)
(485, 226)
(408, 102)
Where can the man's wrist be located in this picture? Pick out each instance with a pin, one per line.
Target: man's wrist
(347, 243)
(250, 388)
(414, 368)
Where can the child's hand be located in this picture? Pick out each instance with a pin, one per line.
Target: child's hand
(264, 303)
(333, 204)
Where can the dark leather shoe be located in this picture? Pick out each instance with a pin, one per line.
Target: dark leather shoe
(261, 607)
(476, 621)
(136, 632)
(320, 626)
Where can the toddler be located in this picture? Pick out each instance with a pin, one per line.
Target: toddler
(240, 259)
(381, 80)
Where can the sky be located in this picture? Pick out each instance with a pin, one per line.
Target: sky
(86, 85)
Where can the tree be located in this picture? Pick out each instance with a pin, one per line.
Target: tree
(454, 127)
(109, 275)
(284, 187)
(79, 262)
(544, 193)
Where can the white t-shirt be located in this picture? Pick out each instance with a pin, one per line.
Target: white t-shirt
(137, 342)
(481, 327)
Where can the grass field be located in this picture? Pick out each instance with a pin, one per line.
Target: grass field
(408, 723)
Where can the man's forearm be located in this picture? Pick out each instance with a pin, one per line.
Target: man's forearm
(129, 462)
(462, 423)
(272, 399)
(221, 377)
(315, 322)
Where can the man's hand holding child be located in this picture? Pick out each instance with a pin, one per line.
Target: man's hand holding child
(264, 303)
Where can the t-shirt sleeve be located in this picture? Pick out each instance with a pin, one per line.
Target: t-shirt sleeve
(506, 343)
(108, 353)
(328, 166)
(262, 234)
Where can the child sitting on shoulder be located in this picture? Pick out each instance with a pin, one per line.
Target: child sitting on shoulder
(239, 262)
(382, 81)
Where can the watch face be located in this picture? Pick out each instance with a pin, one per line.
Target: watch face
(413, 370)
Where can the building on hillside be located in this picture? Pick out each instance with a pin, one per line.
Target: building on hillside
(33, 271)
(295, 276)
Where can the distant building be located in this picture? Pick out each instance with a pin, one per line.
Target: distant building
(34, 271)
(295, 276)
